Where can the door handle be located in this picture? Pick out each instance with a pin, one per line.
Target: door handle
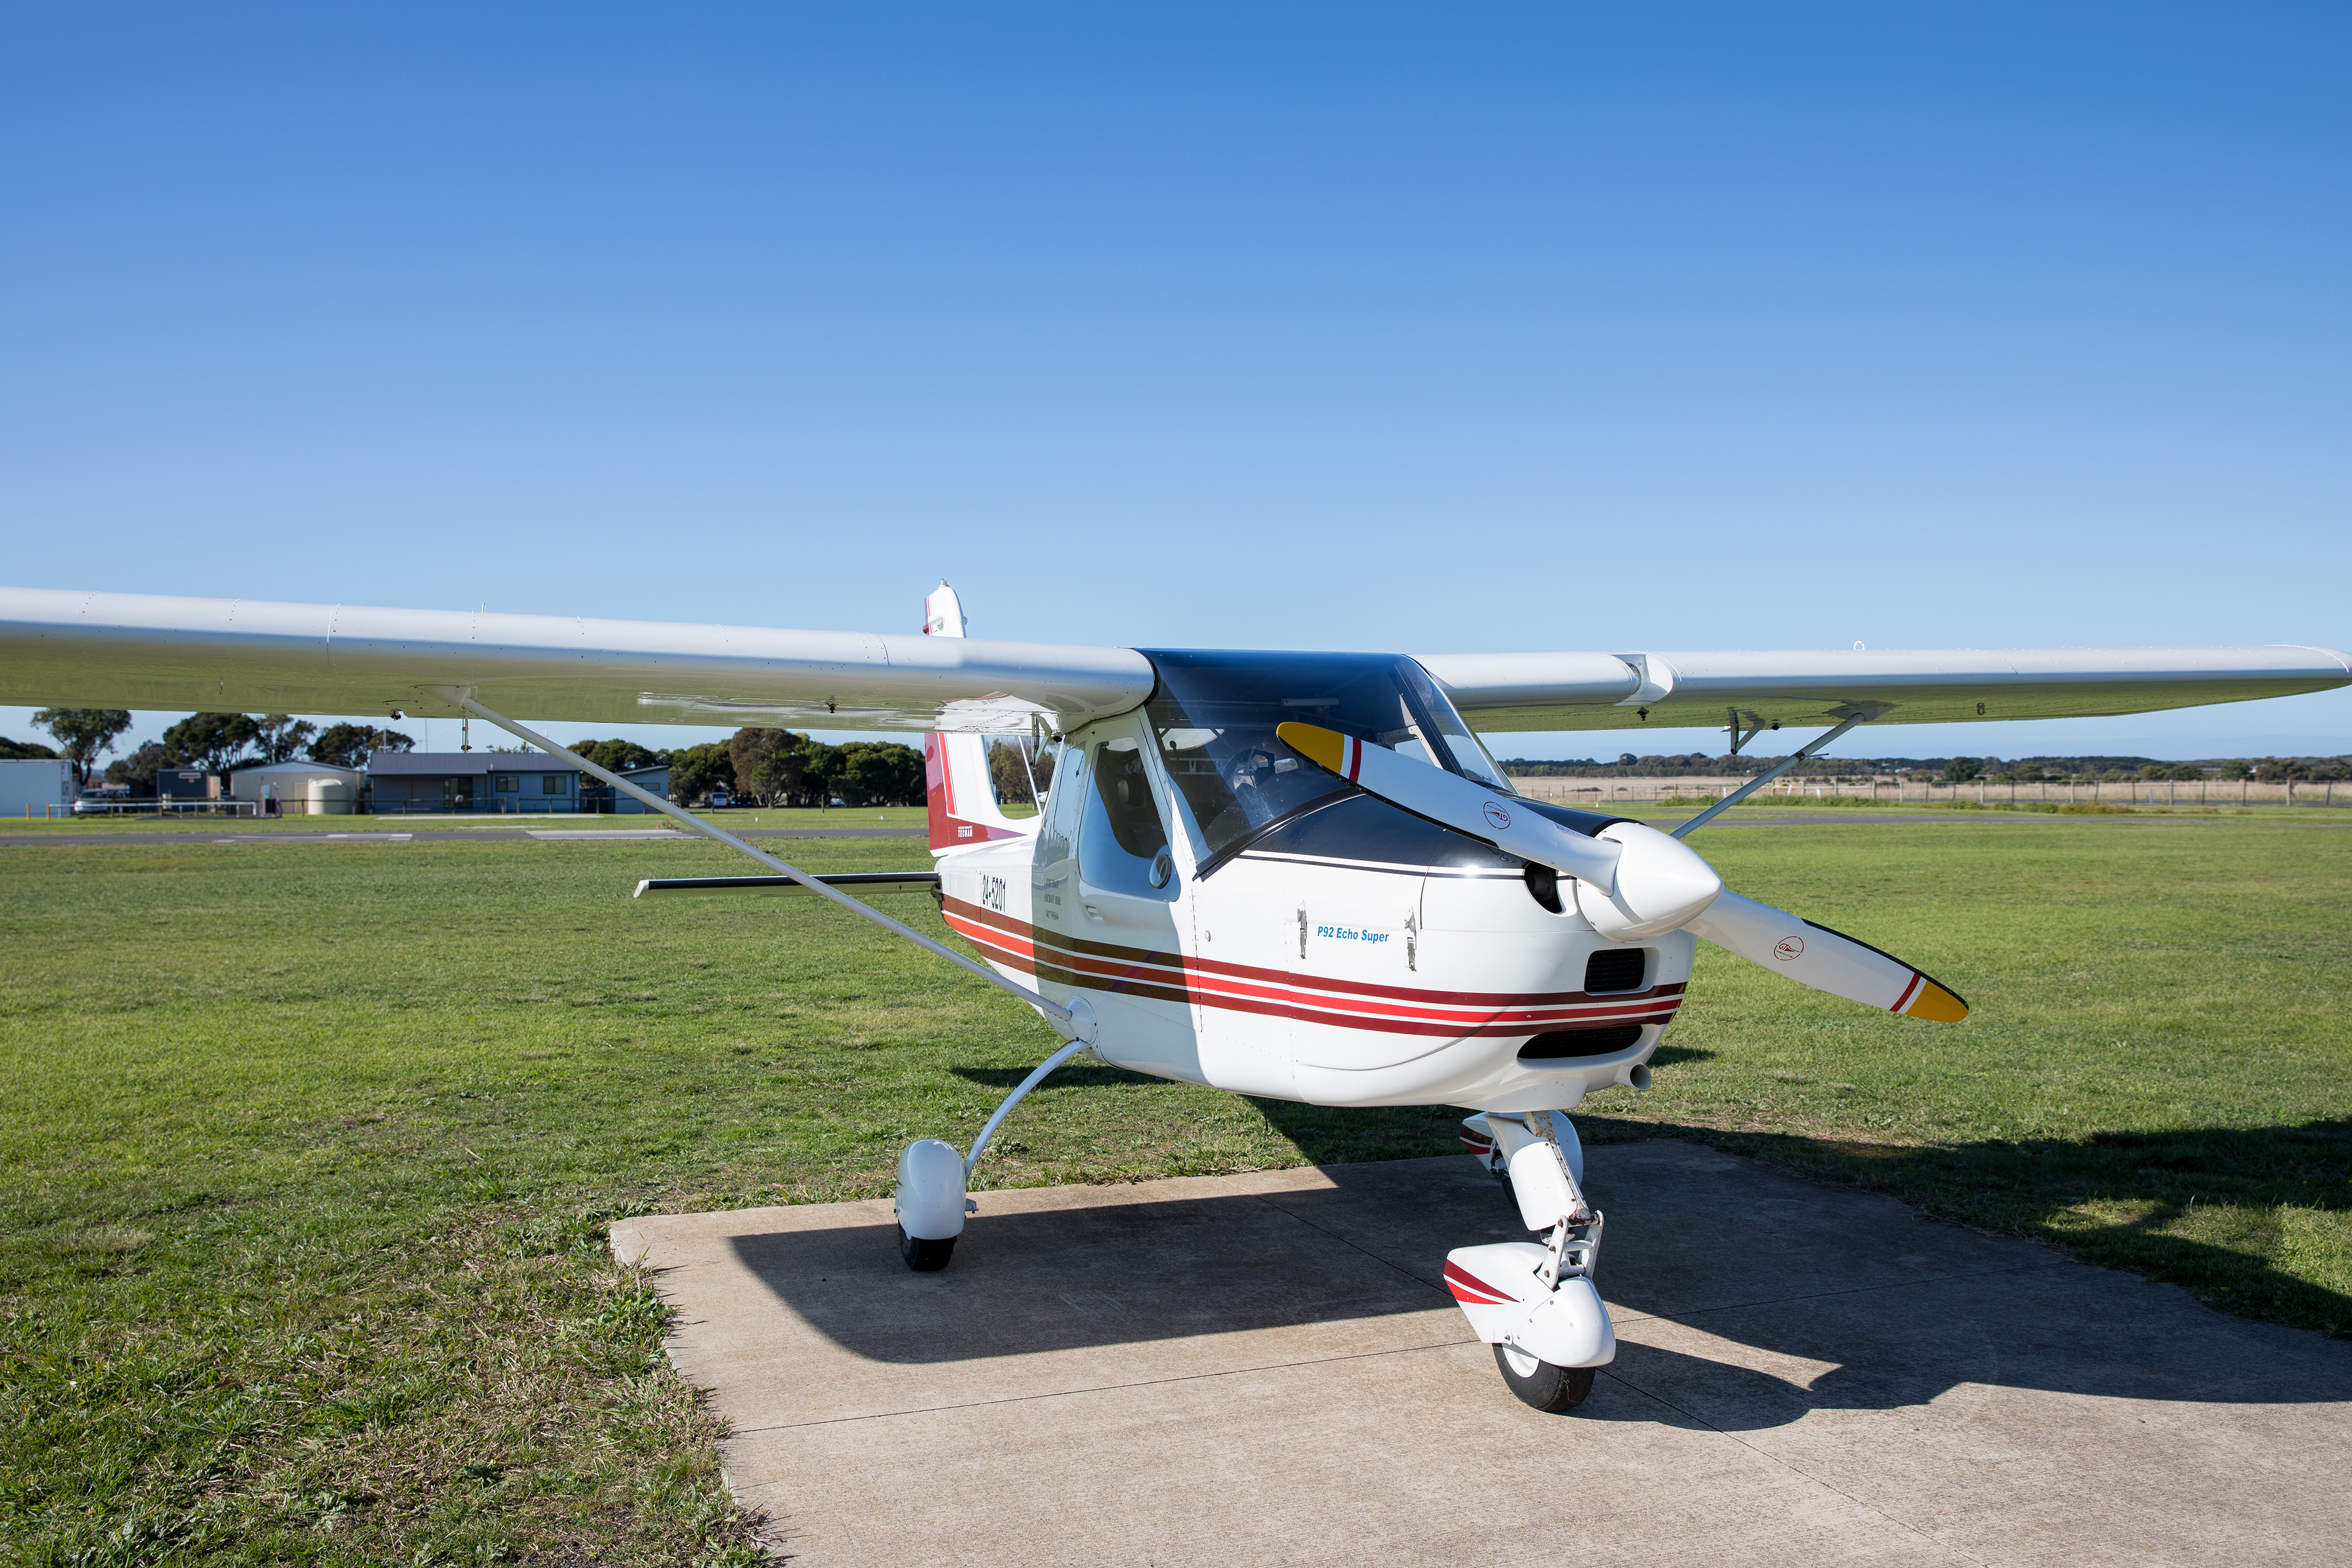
(1093, 914)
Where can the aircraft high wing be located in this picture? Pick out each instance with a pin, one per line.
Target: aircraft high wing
(64, 648)
(1508, 692)
(143, 650)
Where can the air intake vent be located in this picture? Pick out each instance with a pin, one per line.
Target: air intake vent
(1614, 970)
(1569, 1042)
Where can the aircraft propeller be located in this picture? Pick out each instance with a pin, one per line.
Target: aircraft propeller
(1633, 881)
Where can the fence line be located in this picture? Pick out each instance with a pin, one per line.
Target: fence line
(224, 806)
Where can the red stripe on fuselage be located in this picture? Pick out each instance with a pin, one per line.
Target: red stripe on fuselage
(1389, 1010)
(1174, 985)
(1108, 958)
(1219, 968)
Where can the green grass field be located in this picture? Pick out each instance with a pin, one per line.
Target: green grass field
(308, 1148)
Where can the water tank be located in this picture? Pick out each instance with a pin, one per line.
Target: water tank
(330, 798)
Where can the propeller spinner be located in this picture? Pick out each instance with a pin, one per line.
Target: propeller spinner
(1634, 882)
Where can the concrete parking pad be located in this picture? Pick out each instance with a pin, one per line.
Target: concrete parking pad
(1264, 1369)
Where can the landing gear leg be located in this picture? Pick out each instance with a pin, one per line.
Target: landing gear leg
(931, 1177)
(1536, 1304)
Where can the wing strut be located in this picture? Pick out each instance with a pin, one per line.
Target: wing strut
(1854, 713)
(1077, 1025)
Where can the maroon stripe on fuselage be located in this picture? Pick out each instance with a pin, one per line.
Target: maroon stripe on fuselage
(1167, 976)
(1218, 966)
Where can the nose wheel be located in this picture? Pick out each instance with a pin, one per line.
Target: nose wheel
(1539, 1383)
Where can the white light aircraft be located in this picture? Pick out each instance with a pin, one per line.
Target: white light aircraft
(1296, 876)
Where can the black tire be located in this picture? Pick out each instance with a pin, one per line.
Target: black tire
(1547, 1387)
(925, 1256)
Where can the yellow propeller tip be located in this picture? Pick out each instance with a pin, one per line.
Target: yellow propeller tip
(1324, 748)
(1936, 1004)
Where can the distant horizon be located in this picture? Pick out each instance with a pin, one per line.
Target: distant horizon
(1539, 745)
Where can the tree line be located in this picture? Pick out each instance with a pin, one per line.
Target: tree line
(213, 742)
(776, 767)
(780, 768)
(2122, 771)
(770, 766)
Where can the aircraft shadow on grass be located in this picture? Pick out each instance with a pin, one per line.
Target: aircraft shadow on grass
(1713, 1266)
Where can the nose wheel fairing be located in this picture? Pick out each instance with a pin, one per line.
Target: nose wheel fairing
(1560, 1325)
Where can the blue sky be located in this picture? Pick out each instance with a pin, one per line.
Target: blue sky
(1433, 329)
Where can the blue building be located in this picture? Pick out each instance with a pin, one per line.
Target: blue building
(598, 796)
(406, 783)
(402, 783)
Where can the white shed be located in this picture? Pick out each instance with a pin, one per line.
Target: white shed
(30, 787)
(290, 783)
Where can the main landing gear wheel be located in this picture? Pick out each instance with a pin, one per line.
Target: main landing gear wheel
(1539, 1383)
(929, 1257)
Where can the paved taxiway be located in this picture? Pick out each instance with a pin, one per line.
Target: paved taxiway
(1264, 1369)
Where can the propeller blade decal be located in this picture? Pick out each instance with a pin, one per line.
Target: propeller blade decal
(1824, 959)
(1428, 791)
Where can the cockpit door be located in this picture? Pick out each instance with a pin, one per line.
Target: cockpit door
(1053, 872)
(1129, 936)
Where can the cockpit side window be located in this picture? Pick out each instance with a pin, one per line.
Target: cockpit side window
(1214, 715)
(1123, 832)
(1050, 865)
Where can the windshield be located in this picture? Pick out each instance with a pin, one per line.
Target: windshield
(1214, 715)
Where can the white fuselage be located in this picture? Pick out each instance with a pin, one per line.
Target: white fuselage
(1361, 957)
